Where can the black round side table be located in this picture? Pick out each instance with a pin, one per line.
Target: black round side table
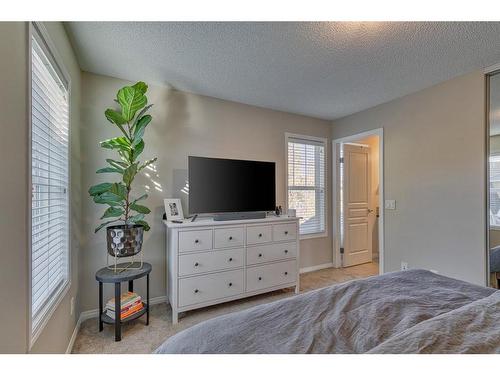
(106, 275)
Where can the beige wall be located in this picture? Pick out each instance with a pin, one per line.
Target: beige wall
(14, 272)
(14, 187)
(434, 147)
(183, 124)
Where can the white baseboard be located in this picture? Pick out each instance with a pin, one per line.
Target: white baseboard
(73, 336)
(316, 268)
(89, 314)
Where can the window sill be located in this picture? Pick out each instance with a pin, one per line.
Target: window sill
(495, 227)
(314, 235)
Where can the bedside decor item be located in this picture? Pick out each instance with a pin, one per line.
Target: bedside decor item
(173, 209)
(125, 239)
(123, 307)
(292, 212)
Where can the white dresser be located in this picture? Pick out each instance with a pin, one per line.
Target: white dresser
(210, 262)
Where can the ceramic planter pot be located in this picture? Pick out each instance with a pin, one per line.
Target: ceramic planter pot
(124, 240)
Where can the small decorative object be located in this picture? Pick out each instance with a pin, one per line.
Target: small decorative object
(277, 211)
(173, 209)
(131, 120)
(292, 212)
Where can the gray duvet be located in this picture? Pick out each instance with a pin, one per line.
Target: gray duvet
(403, 312)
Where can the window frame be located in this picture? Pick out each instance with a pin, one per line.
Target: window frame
(324, 141)
(38, 29)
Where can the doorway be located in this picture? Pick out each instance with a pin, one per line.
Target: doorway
(358, 196)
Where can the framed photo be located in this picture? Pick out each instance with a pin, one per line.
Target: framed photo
(173, 209)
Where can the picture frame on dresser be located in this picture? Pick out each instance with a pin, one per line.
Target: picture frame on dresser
(173, 209)
(211, 262)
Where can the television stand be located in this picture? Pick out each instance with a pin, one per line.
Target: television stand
(239, 216)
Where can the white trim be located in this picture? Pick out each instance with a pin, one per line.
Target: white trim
(336, 244)
(492, 69)
(74, 335)
(56, 300)
(316, 268)
(324, 141)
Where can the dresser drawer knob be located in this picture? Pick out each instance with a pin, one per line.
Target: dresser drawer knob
(230, 238)
(230, 284)
(286, 251)
(196, 241)
(260, 278)
(260, 234)
(286, 273)
(196, 290)
(230, 259)
(196, 264)
(260, 255)
(286, 232)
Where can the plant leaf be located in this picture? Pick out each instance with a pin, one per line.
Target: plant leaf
(109, 170)
(136, 218)
(114, 117)
(141, 113)
(140, 209)
(131, 99)
(140, 129)
(118, 143)
(117, 164)
(103, 225)
(144, 224)
(112, 212)
(100, 188)
(119, 190)
(151, 161)
(144, 196)
(109, 199)
(129, 174)
(137, 150)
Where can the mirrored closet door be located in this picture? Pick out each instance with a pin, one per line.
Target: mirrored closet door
(493, 178)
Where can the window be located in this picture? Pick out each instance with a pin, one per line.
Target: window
(306, 182)
(495, 190)
(49, 180)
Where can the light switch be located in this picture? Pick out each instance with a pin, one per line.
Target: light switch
(390, 204)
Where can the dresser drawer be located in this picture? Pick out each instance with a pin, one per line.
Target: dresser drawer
(272, 252)
(195, 240)
(229, 237)
(284, 232)
(200, 289)
(269, 275)
(191, 264)
(259, 234)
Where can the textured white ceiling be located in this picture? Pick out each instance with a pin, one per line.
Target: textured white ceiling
(321, 69)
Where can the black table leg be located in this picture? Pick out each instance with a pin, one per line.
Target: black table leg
(118, 325)
(147, 299)
(131, 285)
(100, 307)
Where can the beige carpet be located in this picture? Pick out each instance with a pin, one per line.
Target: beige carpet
(139, 338)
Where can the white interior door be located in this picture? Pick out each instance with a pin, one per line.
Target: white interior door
(356, 193)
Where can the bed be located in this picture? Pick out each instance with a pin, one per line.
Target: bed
(414, 311)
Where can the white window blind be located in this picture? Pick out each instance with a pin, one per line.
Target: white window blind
(495, 190)
(306, 183)
(49, 177)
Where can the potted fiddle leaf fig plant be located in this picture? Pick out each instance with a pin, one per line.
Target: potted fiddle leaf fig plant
(124, 207)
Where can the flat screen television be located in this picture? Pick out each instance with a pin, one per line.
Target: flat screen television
(230, 186)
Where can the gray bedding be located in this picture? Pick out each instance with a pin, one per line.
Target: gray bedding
(413, 311)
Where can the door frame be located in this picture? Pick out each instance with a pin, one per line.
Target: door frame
(336, 194)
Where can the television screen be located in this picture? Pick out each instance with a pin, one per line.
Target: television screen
(225, 185)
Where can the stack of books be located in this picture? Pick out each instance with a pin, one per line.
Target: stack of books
(130, 303)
